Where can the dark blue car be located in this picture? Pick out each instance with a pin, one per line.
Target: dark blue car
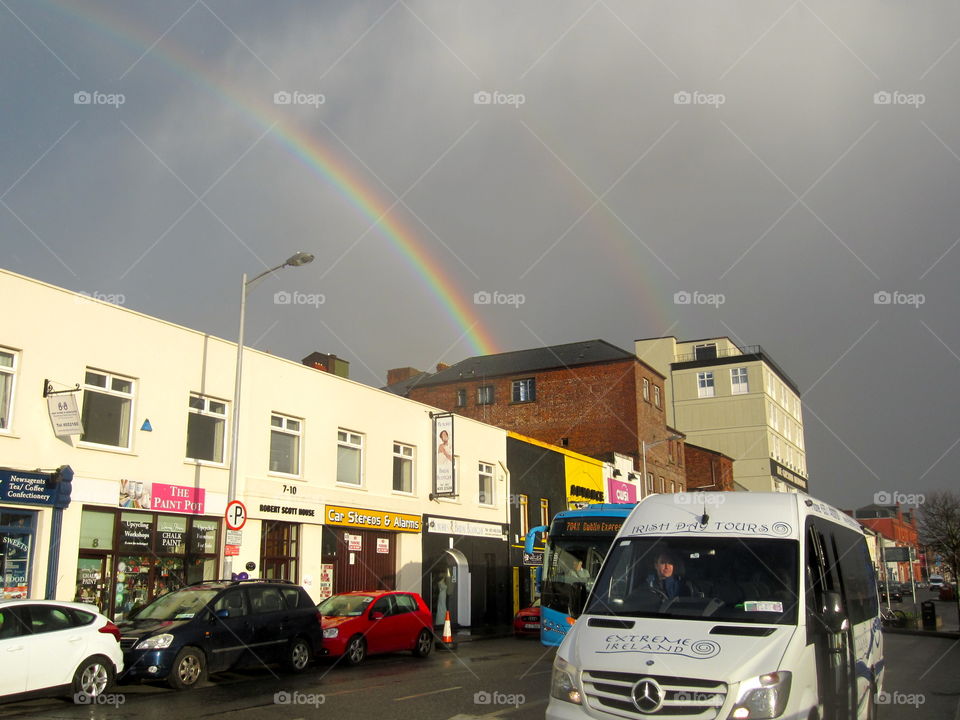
(217, 625)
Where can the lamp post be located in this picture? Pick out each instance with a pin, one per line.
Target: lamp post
(295, 260)
(643, 451)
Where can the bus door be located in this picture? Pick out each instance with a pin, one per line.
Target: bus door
(829, 627)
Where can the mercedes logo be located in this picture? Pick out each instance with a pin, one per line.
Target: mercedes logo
(647, 695)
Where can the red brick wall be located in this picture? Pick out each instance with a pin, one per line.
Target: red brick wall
(598, 408)
(705, 468)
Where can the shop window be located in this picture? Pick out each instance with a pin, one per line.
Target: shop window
(96, 530)
(206, 425)
(349, 458)
(107, 409)
(16, 551)
(402, 468)
(486, 484)
(285, 433)
(8, 370)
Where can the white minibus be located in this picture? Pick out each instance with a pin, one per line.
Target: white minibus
(738, 606)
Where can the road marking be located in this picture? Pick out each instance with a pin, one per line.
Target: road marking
(432, 692)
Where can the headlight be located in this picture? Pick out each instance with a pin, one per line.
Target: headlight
(331, 632)
(563, 684)
(762, 697)
(157, 642)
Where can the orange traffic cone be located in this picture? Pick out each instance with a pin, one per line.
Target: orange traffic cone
(446, 641)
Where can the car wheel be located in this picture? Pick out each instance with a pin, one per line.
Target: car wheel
(94, 676)
(298, 656)
(356, 651)
(189, 668)
(424, 644)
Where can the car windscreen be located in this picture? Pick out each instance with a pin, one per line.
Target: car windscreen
(345, 605)
(179, 605)
(735, 579)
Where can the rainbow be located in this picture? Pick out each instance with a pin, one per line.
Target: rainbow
(315, 156)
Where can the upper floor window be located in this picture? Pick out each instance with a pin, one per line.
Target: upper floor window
(485, 395)
(486, 484)
(705, 384)
(461, 397)
(107, 409)
(349, 458)
(646, 389)
(656, 395)
(738, 381)
(706, 351)
(524, 390)
(8, 370)
(206, 425)
(285, 434)
(402, 468)
(524, 518)
(649, 483)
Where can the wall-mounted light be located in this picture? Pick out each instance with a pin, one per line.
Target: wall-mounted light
(616, 472)
(631, 476)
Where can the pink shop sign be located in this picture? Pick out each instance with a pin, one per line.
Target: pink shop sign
(178, 498)
(620, 492)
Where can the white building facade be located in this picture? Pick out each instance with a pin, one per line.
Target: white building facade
(336, 476)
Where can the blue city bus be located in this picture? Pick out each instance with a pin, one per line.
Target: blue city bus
(575, 546)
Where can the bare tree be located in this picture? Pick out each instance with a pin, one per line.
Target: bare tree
(940, 531)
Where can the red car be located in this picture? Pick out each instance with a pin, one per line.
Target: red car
(527, 621)
(357, 624)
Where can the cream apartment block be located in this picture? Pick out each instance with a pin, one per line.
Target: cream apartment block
(336, 476)
(736, 401)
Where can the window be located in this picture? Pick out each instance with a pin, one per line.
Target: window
(265, 599)
(663, 484)
(349, 458)
(285, 433)
(485, 395)
(107, 409)
(646, 390)
(524, 390)
(206, 422)
(8, 369)
(461, 397)
(524, 519)
(705, 384)
(544, 511)
(649, 483)
(656, 395)
(706, 351)
(486, 484)
(738, 381)
(402, 468)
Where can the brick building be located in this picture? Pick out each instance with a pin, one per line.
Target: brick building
(708, 469)
(898, 528)
(590, 397)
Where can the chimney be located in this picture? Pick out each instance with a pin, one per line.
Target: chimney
(328, 363)
(441, 366)
(396, 375)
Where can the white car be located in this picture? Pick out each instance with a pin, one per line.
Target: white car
(48, 647)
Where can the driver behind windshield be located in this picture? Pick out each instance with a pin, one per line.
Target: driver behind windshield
(668, 578)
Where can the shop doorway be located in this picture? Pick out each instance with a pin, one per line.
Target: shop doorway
(450, 588)
(93, 581)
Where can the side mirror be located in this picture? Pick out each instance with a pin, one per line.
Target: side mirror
(376, 615)
(833, 616)
(578, 598)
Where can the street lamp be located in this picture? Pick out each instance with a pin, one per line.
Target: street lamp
(295, 260)
(643, 451)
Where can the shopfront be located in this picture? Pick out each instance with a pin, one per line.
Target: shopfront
(24, 498)
(360, 546)
(129, 557)
(467, 571)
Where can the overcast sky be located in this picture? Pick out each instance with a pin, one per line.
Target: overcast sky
(781, 162)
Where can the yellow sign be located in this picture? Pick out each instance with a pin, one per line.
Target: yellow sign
(372, 519)
(584, 480)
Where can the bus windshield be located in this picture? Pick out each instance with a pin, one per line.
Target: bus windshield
(570, 566)
(745, 580)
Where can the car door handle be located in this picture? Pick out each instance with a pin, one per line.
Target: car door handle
(75, 639)
(15, 648)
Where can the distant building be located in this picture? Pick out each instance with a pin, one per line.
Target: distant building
(708, 469)
(737, 401)
(591, 397)
(898, 529)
